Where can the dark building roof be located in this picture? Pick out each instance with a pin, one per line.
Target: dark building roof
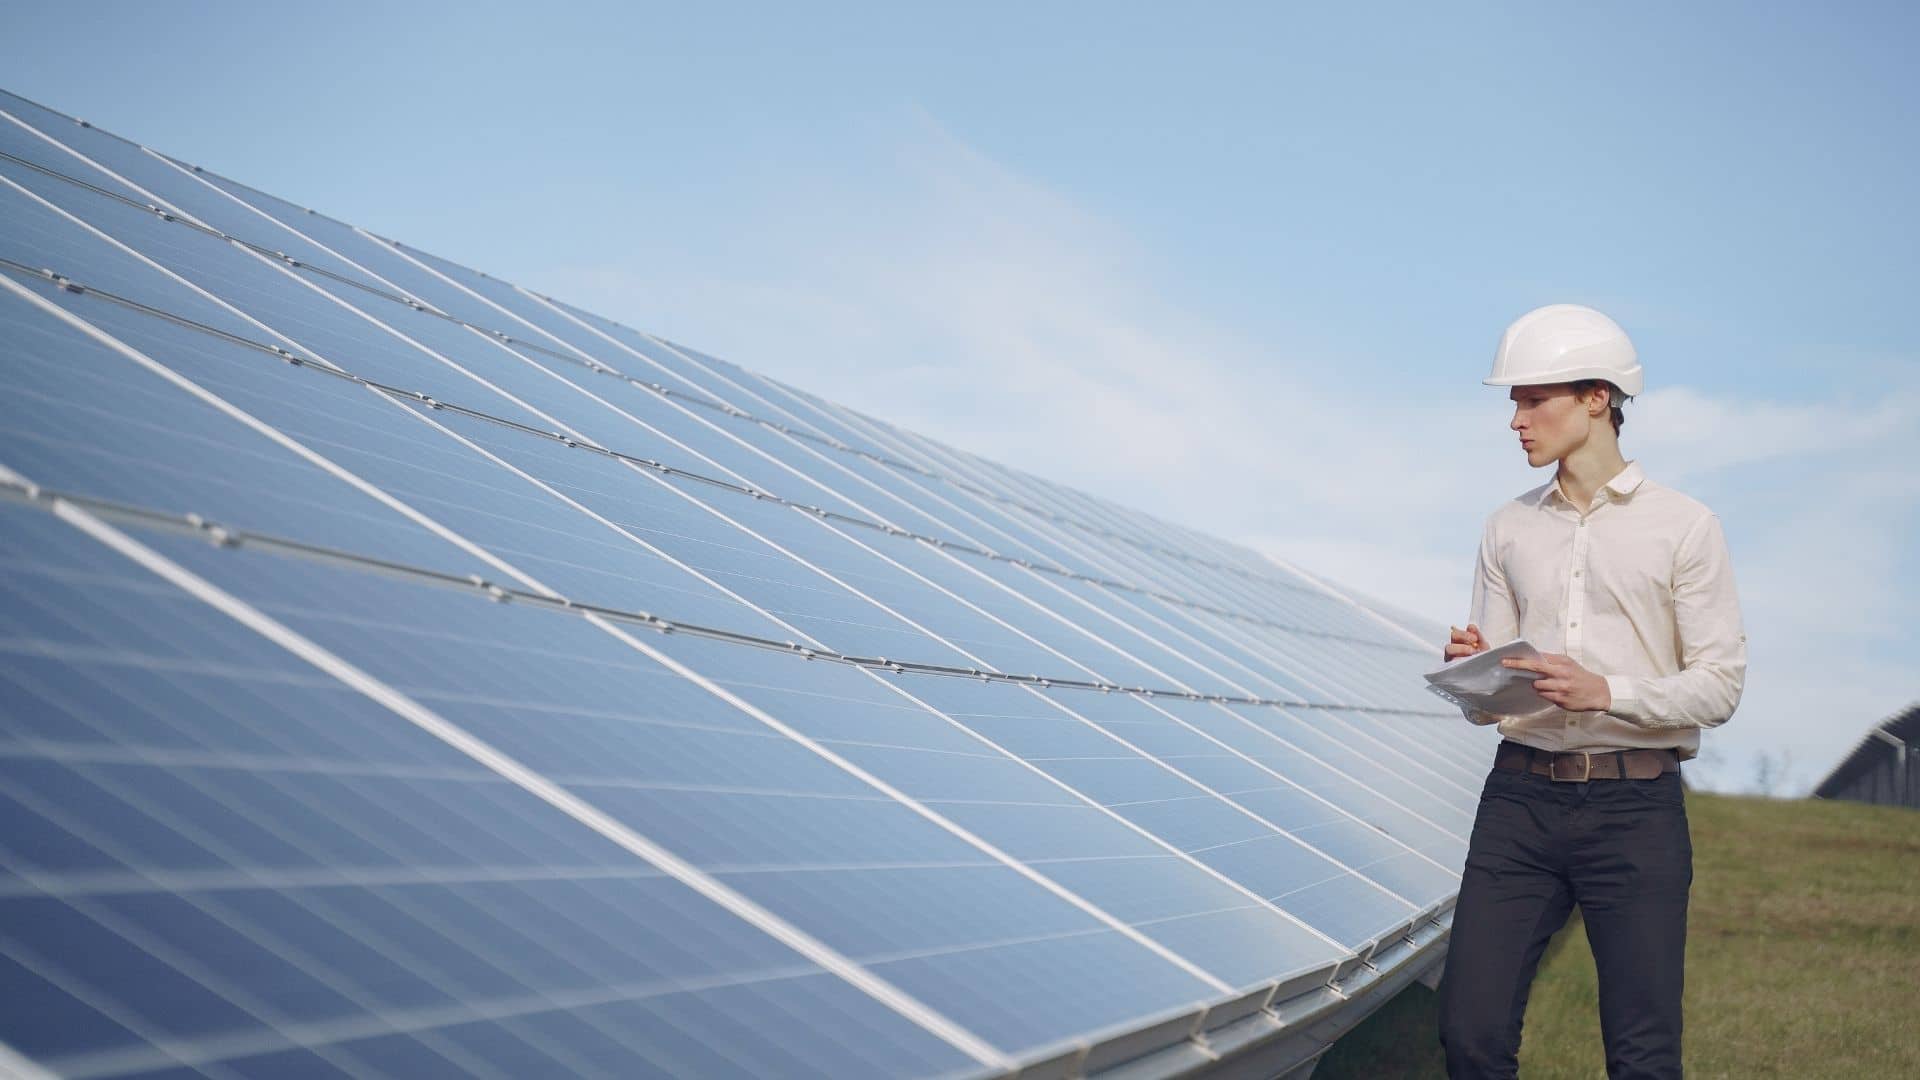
(1880, 769)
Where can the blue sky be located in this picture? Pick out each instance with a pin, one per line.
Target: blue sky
(1243, 267)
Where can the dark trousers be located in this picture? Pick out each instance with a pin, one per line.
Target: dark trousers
(1617, 848)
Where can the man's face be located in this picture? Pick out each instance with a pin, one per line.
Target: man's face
(1552, 421)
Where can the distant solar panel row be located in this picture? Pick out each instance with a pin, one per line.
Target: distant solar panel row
(398, 776)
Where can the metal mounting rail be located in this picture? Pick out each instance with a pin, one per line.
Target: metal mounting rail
(654, 387)
(673, 471)
(227, 536)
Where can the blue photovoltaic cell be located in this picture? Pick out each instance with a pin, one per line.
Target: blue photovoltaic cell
(221, 859)
(438, 291)
(846, 561)
(43, 137)
(79, 416)
(796, 834)
(211, 842)
(807, 600)
(1006, 530)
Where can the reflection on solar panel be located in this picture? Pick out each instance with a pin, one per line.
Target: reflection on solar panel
(408, 674)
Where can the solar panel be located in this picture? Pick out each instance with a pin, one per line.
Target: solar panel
(406, 674)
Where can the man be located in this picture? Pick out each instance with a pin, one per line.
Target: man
(1626, 588)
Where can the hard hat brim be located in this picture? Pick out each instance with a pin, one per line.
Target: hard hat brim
(1628, 381)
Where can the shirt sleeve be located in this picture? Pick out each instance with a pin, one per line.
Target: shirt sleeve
(1713, 646)
(1494, 610)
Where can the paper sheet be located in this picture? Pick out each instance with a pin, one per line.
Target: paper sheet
(1481, 682)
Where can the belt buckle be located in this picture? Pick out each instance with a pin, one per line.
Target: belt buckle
(1586, 765)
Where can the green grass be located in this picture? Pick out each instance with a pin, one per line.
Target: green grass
(1803, 958)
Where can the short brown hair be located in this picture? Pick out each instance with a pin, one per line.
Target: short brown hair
(1615, 399)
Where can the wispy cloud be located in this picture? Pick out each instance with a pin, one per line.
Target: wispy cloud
(953, 296)
(1700, 432)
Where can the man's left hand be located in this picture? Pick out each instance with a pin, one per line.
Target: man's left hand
(1565, 683)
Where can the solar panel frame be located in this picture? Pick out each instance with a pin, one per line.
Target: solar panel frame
(1097, 565)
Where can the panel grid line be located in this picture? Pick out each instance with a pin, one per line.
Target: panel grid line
(221, 535)
(539, 786)
(677, 472)
(165, 1052)
(1272, 657)
(585, 813)
(1236, 752)
(230, 536)
(1024, 870)
(1146, 665)
(307, 964)
(1144, 698)
(816, 746)
(401, 951)
(749, 850)
(1264, 648)
(175, 216)
(17, 1066)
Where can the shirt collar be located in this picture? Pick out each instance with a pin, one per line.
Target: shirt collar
(1626, 480)
(1623, 484)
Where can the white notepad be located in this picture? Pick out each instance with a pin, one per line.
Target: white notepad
(1481, 682)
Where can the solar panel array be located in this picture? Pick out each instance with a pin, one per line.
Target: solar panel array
(407, 674)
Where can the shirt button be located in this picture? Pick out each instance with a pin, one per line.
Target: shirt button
(1573, 624)
(1576, 573)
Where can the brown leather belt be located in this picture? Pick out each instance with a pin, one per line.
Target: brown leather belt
(1580, 765)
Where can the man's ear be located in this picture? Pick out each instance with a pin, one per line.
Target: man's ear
(1605, 395)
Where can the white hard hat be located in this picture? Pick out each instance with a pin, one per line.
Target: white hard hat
(1565, 343)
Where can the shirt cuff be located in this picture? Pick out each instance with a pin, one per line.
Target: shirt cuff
(1626, 703)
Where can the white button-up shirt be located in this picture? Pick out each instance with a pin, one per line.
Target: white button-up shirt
(1638, 588)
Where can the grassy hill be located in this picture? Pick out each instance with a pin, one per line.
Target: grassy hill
(1803, 958)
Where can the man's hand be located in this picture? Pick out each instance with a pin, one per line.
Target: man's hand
(1465, 643)
(1566, 683)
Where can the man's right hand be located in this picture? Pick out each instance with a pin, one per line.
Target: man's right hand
(1465, 642)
